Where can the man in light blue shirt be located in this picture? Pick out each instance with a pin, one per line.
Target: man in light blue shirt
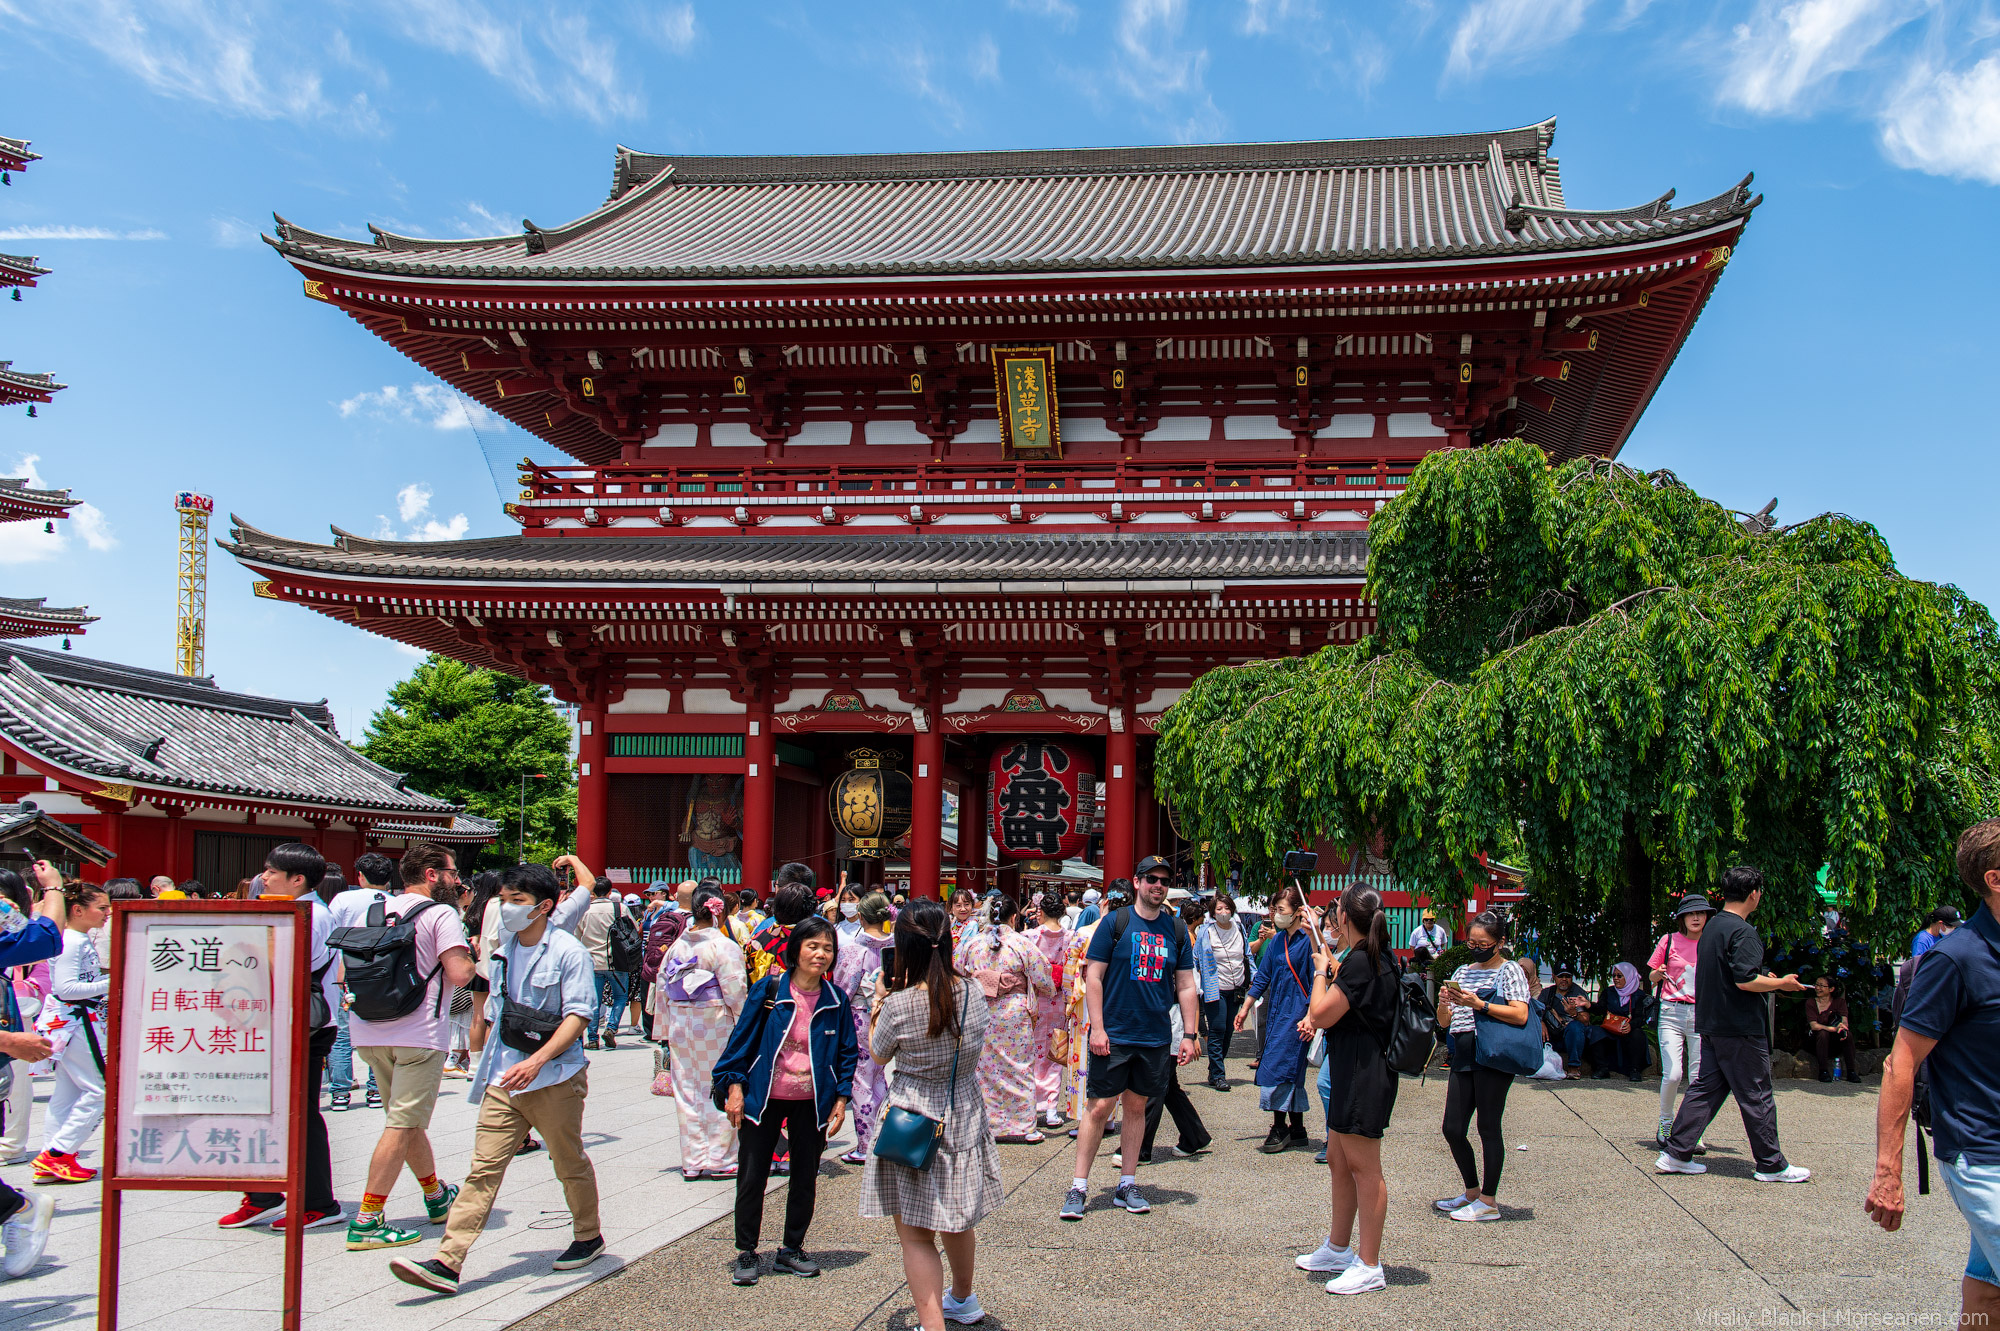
(526, 1079)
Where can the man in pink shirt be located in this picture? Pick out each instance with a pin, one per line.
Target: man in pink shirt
(407, 1054)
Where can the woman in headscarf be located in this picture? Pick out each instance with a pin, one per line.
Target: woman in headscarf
(1621, 1007)
(1012, 975)
(702, 983)
(1052, 939)
(1284, 979)
(858, 970)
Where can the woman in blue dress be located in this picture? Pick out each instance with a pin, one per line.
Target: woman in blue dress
(1284, 977)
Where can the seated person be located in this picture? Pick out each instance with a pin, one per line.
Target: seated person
(1623, 999)
(1826, 1020)
(1566, 1014)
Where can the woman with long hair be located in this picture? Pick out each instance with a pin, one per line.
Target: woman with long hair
(1284, 980)
(702, 980)
(1672, 966)
(1487, 985)
(929, 1020)
(27, 989)
(858, 970)
(74, 1021)
(1013, 976)
(789, 1068)
(1356, 992)
(1222, 961)
(1052, 938)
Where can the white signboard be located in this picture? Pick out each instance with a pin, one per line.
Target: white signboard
(206, 1043)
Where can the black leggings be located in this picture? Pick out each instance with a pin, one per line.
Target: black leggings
(1482, 1089)
(753, 1170)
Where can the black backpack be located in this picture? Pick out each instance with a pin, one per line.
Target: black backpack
(381, 964)
(1412, 1035)
(627, 948)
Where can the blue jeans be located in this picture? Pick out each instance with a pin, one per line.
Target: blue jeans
(610, 998)
(1976, 1190)
(1221, 1014)
(340, 1059)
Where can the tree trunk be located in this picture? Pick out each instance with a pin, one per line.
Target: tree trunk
(1635, 925)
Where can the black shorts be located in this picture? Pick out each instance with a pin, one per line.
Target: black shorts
(1141, 1069)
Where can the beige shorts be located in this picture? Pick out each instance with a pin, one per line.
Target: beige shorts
(408, 1079)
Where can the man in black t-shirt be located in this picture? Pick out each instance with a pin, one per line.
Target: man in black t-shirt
(1730, 1017)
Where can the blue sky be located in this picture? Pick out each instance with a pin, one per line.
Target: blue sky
(1844, 364)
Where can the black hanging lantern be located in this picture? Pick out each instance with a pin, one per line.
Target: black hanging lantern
(31, 411)
(65, 644)
(870, 803)
(49, 528)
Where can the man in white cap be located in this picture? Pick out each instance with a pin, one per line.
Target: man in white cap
(1091, 913)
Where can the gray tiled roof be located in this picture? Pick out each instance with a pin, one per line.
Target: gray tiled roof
(845, 563)
(36, 609)
(27, 820)
(144, 727)
(34, 383)
(466, 828)
(15, 492)
(1338, 201)
(23, 263)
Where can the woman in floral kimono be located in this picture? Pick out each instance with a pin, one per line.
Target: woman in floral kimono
(702, 983)
(1012, 975)
(1052, 938)
(1077, 1010)
(858, 970)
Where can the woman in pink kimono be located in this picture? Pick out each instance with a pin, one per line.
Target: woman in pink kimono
(1013, 976)
(703, 982)
(1052, 939)
(858, 970)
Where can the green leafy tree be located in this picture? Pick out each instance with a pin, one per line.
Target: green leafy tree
(467, 735)
(1644, 686)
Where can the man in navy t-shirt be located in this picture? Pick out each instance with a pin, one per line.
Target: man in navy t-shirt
(1951, 1027)
(1140, 963)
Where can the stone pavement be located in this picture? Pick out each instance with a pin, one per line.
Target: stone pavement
(1591, 1235)
(181, 1272)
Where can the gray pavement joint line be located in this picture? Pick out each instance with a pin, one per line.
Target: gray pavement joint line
(1654, 1179)
(1007, 1196)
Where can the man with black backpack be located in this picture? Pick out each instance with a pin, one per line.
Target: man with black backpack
(612, 937)
(1950, 1029)
(398, 964)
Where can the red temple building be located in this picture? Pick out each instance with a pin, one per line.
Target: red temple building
(17, 271)
(907, 484)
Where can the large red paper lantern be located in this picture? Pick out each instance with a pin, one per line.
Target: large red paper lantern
(1042, 800)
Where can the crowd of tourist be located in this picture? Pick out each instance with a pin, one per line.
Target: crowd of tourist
(946, 1033)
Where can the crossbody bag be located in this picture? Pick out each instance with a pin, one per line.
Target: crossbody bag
(905, 1137)
(523, 1027)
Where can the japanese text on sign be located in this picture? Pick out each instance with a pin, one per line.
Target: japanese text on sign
(1031, 799)
(206, 1038)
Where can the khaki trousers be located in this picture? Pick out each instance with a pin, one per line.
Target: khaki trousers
(556, 1112)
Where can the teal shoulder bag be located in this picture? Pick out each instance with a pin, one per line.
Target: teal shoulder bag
(905, 1137)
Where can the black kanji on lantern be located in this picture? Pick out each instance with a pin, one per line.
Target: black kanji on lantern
(1032, 801)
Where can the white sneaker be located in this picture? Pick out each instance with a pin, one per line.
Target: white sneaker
(965, 1314)
(1359, 1279)
(26, 1234)
(1789, 1174)
(1476, 1210)
(1667, 1164)
(1326, 1259)
(1450, 1204)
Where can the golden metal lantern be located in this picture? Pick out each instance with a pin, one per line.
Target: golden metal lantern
(870, 802)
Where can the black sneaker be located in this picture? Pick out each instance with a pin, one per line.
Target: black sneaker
(432, 1275)
(374, 1098)
(1276, 1140)
(340, 1100)
(580, 1253)
(611, 1039)
(745, 1270)
(795, 1262)
(1220, 1084)
(590, 1042)
(1299, 1137)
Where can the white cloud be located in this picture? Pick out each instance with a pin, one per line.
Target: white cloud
(412, 500)
(549, 58)
(413, 506)
(984, 60)
(914, 64)
(674, 28)
(480, 220)
(1261, 18)
(421, 404)
(1157, 69)
(77, 233)
(1060, 10)
(91, 524)
(1946, 123)
(32, 542)
(231, 233)
(1788, 51)
(1502, 31)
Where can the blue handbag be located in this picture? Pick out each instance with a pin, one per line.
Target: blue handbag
(1505, 1047)
(905, 1137)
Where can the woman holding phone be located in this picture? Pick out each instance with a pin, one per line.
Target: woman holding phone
(1488, 985)
(1284, 977)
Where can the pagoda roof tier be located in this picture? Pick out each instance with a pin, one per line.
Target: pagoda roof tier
(14, 154)
(467, 829)
(167, 735)
(35, 618)
(20, 270)
(17, 386)
(1086, 210)
(20, 502)
(512, 568)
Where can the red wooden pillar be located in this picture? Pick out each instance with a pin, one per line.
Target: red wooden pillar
(927, 814)
(179, 850)
(108, 830)
(1121, 782)
(1147, 819)
(592, 787)
(760, 800)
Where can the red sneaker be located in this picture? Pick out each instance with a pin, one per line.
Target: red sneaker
(314, 1220)
(52, 1168)
(248, 1213)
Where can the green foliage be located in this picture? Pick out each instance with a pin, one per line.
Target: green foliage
(1610, 672)
(467, 735)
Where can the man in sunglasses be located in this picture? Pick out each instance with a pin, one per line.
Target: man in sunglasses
(1139, 966)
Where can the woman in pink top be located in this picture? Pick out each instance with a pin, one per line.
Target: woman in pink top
(1672, 965)
(1014, 977)
(1052, 938)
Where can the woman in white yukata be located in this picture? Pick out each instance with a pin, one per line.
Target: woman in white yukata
(702, 985)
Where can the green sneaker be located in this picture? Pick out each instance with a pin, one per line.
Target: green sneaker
(439, 1209)
(377, 1232)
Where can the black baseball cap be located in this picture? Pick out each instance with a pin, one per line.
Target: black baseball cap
(1944, 915)
(1149, 864)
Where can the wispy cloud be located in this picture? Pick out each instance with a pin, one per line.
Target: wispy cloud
(1784, 56)
(673, 27)
(1946, 122)
(421, 404)
(983, 60)
(77, 233)
(33, 543)
(479, 220)
(550, 58)
(917, 70)
(413, 509)
(231, 233)
(1499, 32)
(1060, 10)
(1261, 18)
(1156, 67)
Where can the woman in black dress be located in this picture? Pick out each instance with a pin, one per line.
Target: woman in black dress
(1354, 1000)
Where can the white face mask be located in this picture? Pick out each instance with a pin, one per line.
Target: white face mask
(1283, 919)
(850, 908)
(517, 915)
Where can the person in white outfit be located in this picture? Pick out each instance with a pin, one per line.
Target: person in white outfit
(73, 1020)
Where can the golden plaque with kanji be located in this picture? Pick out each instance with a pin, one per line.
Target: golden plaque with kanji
(1024, 384)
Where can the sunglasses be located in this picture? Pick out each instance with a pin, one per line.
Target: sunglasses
(1156, 878)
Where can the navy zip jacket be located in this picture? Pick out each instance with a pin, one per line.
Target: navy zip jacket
(752, 1051)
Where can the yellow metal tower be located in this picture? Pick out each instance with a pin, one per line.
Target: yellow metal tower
(191, 624)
